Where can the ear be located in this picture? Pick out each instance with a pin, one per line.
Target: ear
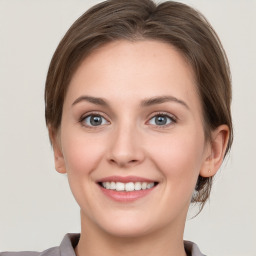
(58, 155)
(216, 151)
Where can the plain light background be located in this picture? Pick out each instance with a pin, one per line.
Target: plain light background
(36, 206)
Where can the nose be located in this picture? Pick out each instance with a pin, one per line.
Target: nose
(126, 149)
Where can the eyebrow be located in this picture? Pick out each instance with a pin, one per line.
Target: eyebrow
(94, 100)
(145, 103)
(162, 99)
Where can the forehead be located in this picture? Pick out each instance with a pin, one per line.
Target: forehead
(143, 68)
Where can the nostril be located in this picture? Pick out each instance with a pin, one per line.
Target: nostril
(123, 162)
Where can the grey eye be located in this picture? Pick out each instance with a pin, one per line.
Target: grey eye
(160, 120)
(95, 120)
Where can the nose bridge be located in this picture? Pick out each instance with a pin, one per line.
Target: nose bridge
(125, 146)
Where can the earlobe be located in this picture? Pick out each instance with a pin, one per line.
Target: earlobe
(58, 155)
(217, 151)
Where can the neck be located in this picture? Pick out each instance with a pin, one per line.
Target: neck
(165, 242)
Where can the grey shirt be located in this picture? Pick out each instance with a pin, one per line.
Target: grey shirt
(70, 241)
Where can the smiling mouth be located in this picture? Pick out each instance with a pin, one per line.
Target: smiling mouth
(127, 187)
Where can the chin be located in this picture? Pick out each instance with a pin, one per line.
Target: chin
(128, 230)
(132, 224)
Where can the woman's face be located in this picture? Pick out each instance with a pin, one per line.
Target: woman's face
(131, 120)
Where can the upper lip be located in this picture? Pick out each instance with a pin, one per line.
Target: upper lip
(125, 179)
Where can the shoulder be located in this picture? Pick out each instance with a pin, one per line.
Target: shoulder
(18, 253)
(49, 252)
(66, 248)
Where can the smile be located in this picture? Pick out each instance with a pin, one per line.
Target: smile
(127, 187)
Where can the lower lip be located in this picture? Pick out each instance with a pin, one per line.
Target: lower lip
(122, 196)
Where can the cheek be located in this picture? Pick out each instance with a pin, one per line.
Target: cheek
(179, 157)
(82, 156)
(82, 153)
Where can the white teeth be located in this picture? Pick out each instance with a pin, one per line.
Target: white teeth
(112, 185)
(137, 186)
(144, 185)
(130, 186)
(107, 185)
(150, 185)
(119, 186)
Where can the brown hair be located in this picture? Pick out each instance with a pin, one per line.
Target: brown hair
(171, 22)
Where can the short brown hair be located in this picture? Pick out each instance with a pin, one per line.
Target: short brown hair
(175, 23)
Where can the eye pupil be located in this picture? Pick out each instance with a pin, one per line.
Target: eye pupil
(161, 120)
(95, 120)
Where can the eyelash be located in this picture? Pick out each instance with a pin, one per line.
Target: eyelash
(96, 114)
(172, 119)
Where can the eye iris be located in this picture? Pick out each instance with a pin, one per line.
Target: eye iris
(161, 120)
(95, 120)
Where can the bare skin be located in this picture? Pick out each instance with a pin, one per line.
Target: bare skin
(132, 110)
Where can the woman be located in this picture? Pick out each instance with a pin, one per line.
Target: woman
(138, 111)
